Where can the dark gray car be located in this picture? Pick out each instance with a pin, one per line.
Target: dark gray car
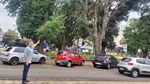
(107, 61)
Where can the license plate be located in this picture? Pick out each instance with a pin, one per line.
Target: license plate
(121, 68)
(98, 63)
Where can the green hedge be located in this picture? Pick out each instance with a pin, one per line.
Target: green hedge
(50, 53)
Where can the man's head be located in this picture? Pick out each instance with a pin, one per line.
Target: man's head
(31, 43)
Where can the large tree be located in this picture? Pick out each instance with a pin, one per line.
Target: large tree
(138, 32)
(10, 36)
(31, 14)
(105, 10)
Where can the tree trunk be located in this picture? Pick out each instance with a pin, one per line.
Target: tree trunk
(63, 42)
(104, 24)
(145, 53)
(95, 36)
(103, 48)
(40, 46)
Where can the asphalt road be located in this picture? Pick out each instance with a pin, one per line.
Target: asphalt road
(50, 71)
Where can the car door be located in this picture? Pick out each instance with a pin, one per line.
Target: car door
(19, 52)
(72, 57)
(35, 56)
(147, 66)
(142, 65)
(77, 58)
(115, 62)
(111, 61)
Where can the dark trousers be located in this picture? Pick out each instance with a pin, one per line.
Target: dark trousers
(25, 72)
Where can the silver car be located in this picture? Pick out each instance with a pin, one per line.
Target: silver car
(135, 66)
(15, 55)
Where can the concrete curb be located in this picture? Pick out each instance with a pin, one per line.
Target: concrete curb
(70, 82)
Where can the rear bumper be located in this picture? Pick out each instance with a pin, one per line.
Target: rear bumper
(4, 59)
(100, 64)
(123, 69)
(61, 61)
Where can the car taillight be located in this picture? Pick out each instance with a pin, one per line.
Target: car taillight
(130, 64)
(7, 54)
(105, 60)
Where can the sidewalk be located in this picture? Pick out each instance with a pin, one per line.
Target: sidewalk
(70, 82)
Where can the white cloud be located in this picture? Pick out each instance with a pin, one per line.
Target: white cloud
(6, 21)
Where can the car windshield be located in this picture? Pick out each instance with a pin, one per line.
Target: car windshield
(126, 59)
(8, 49)
(61, 53)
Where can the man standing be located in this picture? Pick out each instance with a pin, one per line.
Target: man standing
(28, 54)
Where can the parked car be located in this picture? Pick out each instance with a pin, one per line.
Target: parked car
(68, 58)
(15, 55)
(106, 61)
(135, 66)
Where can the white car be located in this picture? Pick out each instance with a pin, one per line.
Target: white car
(15, 55)
(135, 66)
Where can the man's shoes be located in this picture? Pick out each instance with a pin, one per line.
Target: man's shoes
(27, 80)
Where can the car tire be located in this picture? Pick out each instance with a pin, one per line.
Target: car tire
(68, 64)
(121, 72)
(108, 66)
(82, 63)
(42, 60)
(14, 61)
(134, 73)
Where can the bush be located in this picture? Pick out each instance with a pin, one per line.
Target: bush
(53, 53)
(87, 56)
(50, 53)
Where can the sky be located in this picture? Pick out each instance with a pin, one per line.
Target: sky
(7, 22)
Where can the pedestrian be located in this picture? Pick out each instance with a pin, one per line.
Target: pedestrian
(28, 54)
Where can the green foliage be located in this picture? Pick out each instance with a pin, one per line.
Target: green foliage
(51, 28)
(31, 14)
(137, 34)
(10, 36)
(51, 54)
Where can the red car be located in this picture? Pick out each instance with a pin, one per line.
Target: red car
(68, 58)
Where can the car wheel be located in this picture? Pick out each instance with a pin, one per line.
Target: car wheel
(121, 72)
(68, 64)
(14, 61)
(134, 73)
(42, 60)
(82, 63)
(108, 66)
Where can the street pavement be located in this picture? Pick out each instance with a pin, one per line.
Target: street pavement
(50, 71)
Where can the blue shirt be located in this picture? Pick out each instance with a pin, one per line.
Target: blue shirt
(29, 53)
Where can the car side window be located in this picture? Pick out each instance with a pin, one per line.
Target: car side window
(72, 54)
(147, 62)
(20, 50)
(141, 61)
(77, 55)
(113, 59)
